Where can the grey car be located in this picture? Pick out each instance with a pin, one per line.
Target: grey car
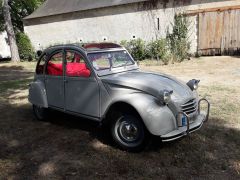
(102, 82)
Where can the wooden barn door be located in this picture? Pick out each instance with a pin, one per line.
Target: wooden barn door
(219, 32)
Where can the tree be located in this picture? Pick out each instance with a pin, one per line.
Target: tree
(20, 9)
(10, 32)
(11, 14)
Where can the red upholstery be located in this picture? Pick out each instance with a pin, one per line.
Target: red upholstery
(55, 69)
(77, 69)
(72, 69)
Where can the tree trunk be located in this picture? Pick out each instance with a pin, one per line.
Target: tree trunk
(10, 32)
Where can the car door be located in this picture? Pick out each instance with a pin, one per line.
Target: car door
(81, 86)
(54, 80)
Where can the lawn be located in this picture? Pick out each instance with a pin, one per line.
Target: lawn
(68, 147)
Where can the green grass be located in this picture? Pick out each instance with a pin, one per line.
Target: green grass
(14, 84)
(26, 65)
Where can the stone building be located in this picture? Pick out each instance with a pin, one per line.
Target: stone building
(213, 28)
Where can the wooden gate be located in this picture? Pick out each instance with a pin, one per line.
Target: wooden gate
(219, 32)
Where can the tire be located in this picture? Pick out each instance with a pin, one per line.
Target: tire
(40, 113)
(128, 132)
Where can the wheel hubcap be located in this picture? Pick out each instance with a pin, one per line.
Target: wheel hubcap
(128, 131)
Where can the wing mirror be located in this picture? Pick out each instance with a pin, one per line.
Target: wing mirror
(39, 53)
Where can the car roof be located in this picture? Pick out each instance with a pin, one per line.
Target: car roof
(89, 47)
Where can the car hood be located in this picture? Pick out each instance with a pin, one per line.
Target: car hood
(150, 83)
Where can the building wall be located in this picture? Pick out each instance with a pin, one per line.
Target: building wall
(4, 47)
(117, 23)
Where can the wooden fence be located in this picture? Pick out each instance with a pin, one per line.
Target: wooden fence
(219, 32)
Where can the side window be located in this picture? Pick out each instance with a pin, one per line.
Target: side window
(54, 66)
(41, 64)
(76, 66)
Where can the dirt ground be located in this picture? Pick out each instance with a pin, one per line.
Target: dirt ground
(67, 147)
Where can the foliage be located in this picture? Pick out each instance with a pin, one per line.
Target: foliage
(140, 50)
(136, 47)
(178, 39)
(25, 48)
(19, 9)
(159, 50)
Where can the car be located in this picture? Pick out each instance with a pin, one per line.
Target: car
(102, 82)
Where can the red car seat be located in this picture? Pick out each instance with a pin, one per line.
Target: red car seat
(54, 69)
(77, 69)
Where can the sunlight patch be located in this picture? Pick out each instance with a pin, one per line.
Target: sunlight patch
(46, 169)
(236, 166)
(18, 97)
(13, 143)
(98, 145)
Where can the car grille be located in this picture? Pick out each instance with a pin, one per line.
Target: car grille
(189, 107)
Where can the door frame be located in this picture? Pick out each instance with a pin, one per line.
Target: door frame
(49, 55)
(92, 76)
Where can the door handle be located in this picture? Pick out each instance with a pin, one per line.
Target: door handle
(66, 81)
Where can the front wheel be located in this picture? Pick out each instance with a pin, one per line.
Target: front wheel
(40, 112)
(128, 132)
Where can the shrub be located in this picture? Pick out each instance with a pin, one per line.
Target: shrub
(25, 48)
(178, 40)
(136, 47)
(159, 50)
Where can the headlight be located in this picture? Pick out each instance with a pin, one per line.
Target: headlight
(165, 96)
(193, 84)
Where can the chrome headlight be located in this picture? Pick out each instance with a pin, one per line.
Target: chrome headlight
(193, 84)
(165, 96)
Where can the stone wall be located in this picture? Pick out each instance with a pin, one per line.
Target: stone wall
(117, 23)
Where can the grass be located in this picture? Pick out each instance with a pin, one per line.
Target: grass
(14, 84)
(67, 147)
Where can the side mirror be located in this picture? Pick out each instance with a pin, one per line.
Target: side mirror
(39, 53)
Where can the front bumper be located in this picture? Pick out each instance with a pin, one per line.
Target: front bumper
(191, 127)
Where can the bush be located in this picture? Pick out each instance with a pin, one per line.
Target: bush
(25, 48)
(125, 44)
(136, 47)
(159, 50)
(178, 40)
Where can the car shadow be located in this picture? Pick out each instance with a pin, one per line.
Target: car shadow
(94, 128)
(98, 131)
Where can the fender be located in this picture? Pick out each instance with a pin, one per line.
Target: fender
(37, 94)
(157, 118)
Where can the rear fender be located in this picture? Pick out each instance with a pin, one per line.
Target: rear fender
(37, 94)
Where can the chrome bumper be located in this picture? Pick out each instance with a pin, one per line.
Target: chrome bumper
(189, 128)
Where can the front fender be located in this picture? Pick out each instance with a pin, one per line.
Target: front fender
(157, 118)
(37, 94)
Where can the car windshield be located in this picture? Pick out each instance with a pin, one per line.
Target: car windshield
(109, 60)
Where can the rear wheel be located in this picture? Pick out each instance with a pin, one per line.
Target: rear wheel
(128, 132)
(40, 112)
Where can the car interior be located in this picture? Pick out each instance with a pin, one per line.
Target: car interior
(75, 67)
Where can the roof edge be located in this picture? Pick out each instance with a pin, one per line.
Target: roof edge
(33, 16)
